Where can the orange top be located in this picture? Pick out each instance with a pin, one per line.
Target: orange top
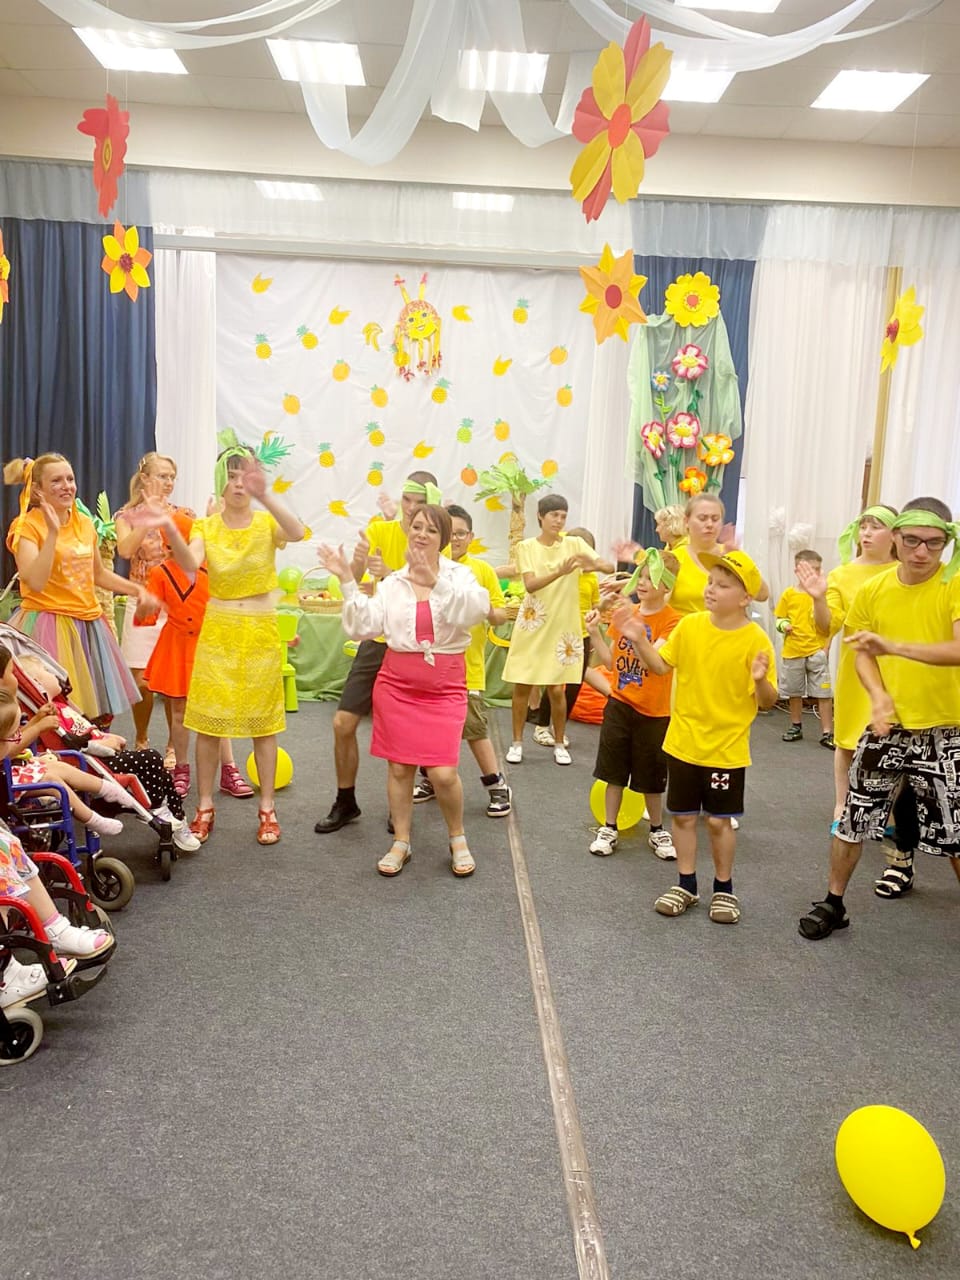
(184, 601)
(70, 587)
(631, 682)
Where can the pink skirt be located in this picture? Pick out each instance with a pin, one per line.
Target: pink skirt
(419, 710)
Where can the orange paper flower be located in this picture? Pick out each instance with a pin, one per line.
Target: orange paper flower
(612, 292)
(715, 450)
(109, 128)
(693, 482)
(4, 277)
(125, 262)
(621, 120)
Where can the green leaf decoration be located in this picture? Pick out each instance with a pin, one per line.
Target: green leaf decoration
(507, 477)
(228, 439)
(270, 453)
(103, 523)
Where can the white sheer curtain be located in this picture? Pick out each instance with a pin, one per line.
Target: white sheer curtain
(811, 407)
(606, 505)
(185, 285)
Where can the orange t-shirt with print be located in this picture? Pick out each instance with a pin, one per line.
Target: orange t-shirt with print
(631, 682)
(70, 587)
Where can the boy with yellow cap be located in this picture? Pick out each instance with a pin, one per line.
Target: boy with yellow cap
(722, 663)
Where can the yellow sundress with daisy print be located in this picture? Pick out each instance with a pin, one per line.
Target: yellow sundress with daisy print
(547, 643)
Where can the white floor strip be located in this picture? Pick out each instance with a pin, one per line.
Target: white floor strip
(581, 1204)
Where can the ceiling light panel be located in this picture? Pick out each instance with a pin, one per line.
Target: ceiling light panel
(502, 72)
(483, 201)
(124, 51)
(690, 84)
(289, 190)
(731, 6)
(317, 61)
(869, 90)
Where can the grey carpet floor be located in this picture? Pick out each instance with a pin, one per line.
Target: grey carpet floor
(295, 1065)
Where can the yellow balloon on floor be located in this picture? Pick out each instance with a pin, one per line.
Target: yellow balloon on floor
(284, 773)
(633, 807)
(891, 1168)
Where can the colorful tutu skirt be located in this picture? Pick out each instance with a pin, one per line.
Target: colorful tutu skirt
(100, 679)
(236, 689)
(418, 709)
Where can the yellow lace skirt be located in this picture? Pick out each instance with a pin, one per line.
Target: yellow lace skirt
(236, 690)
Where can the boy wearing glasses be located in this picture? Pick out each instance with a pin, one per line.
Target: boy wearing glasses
(905, 628)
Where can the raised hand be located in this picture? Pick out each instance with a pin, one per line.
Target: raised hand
(625, 550)
(334, 561)
(377, 565)
(421, 570)
(811, 580)
(760, 666)
(568, 566)
(591, 620)
(152, 492)
(147, 516)
(627, 623)
(387, 505)
(727, 537)
(361, 554)
(254, 480)
(51, 517)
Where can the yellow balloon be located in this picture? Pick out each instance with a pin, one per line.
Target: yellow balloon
(891, 1168)
(633, 807)
(283, 776)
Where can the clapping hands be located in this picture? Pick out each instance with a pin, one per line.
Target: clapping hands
(334, 560)
(811, 580)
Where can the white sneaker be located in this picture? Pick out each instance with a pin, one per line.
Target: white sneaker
(606, 842)
(515, 753)
(662, 845)
(543, 736)
(21, 982)
(562, 756)
(184, 838)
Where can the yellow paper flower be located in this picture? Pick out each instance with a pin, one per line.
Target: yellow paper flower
(612, 292)
(125, 262)
(715, 450)
(693, 300)
(903, 328)
(4, 277)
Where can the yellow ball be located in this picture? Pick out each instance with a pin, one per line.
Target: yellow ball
(284, 774)
(633, 807)
(891, 1168)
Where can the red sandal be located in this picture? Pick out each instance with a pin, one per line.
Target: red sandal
(268, 831)
(202, 824)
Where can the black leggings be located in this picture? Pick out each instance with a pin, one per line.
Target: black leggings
(157, 781)
(573, 690)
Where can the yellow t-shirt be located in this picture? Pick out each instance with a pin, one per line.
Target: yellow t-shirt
(589, 596)
(389, 539)
(924, 696)
(687, 595)
(715, 699)
(70, 587)
(240, 562)
(851, 705)
(803, 638)
(475, 656)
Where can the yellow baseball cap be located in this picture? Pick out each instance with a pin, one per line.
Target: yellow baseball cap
(740, 565)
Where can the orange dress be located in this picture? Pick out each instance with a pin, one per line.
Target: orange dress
(171, 663)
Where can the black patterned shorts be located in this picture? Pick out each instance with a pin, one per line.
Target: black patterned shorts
(929, 760)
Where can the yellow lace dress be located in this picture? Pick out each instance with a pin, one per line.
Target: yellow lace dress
(236, 690)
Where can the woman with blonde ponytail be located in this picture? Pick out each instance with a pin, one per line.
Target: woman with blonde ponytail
(55, 547)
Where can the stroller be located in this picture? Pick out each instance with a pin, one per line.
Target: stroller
(109, 881)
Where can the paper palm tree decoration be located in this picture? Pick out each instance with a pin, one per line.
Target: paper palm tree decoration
(509, 477)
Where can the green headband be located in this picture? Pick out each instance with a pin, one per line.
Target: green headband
(221, 470)
(919, 519)
(660, 575)
(429, 492)
(848, 539)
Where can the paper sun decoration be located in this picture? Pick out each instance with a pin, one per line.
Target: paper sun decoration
(621, 120)
(4, 277)
(125, 262)
(693, 300)
(903, 328)
(612, 292)
(109, 128)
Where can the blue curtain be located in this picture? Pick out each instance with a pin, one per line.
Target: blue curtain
(78, 369)
(735, 279)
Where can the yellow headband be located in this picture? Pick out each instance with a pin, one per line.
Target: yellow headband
(25, 494)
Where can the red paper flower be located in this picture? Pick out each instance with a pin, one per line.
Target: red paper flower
(683, 430)
(621, 120)
(109, 128)
(690, 363)
(651, 434)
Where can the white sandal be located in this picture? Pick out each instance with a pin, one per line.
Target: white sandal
(461, 859)
(392, 863)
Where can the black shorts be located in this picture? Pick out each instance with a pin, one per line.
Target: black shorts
(630, 753)
(699, 788)
(357, 696)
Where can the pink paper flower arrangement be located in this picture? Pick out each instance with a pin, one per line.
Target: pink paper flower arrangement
(683, 430)
(690, 363)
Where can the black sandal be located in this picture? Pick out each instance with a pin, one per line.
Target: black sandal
(822, 920)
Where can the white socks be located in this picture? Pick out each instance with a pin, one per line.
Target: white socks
(112, 791)
(103, 826)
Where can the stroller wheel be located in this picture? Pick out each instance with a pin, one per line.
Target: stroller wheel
(25, 1031)
(112, 883)
(165, 862)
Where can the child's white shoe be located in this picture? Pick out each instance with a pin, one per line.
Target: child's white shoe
(77, 940)
(21, 982)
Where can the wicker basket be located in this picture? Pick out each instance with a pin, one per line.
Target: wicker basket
(513, 610)
(308, 593)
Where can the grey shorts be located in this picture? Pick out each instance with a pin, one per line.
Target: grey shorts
(807, 677)
(475, 726)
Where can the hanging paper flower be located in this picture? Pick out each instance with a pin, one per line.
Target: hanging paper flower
(683, 430)
(694, 481)
(660, 380)
(651, 434)
(621, 120)
(109, 128)
(693, 300)
(612, 293)
(903, 328)
(125, 262)
(715, 450)
(690, 363)
(4, 277)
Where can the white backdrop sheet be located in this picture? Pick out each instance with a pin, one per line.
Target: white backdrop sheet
(552, 348)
